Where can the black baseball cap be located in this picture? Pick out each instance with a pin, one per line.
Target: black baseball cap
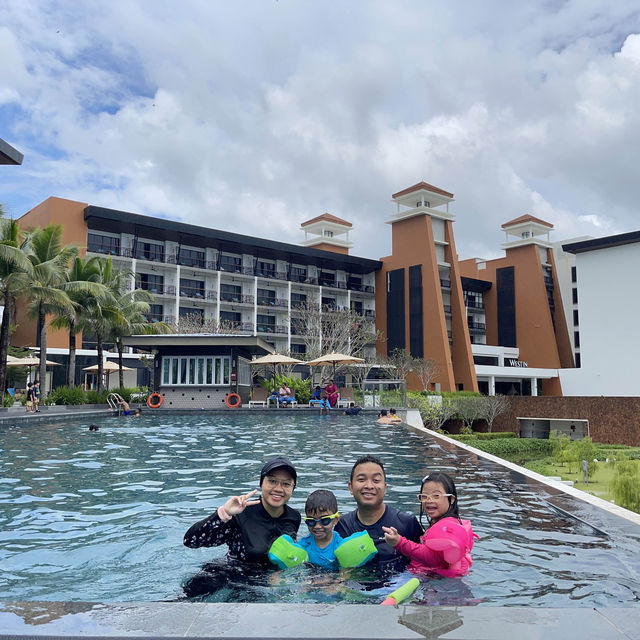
(279, 462)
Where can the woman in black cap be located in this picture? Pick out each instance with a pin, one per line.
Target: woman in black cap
(249, 527)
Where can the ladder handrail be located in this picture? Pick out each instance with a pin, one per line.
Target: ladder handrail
(114, 400)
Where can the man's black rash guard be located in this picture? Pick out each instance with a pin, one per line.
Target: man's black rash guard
(387, 558)
(249, 535)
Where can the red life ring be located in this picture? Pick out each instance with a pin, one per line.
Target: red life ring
(236, 397)
(154, 400)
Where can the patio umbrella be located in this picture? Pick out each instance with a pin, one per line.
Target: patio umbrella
(29, 361)
(275, 359)
(333, 359)
(108, 367)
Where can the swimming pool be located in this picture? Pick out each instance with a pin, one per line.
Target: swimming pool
(100, 516)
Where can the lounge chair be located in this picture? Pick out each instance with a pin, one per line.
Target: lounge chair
(345, 397)
(259, 397)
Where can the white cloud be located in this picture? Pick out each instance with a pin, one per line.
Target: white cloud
(254, 116)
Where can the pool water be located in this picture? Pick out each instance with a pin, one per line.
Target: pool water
(100, 516)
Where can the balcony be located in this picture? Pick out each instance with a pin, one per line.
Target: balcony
(270, 275)
(272, 302)
(333, 284)
(169, 319)
(235, 298)
(199, 294)
(474, 305)
(477, 327)
(149, 256)
(271, 328)
(106, 249)
(369, 313)
(188, 261)
(159, 290)
(445, 284)
(154, 317)
(302, 278)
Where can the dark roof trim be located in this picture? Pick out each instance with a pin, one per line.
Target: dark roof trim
(254, 344)
(602, 243)
(111, 220)
(473, 284)
(9, 155)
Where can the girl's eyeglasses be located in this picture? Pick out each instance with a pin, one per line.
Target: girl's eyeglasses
(287, 485)
(324, 521)
(423, 497)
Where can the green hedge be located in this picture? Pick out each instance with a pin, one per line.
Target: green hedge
(516, 450)
(494, 435)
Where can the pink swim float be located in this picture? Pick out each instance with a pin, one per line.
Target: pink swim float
(455, 541)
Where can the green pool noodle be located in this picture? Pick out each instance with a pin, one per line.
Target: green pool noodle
(285, 553)
(397, 596)
(356, 550)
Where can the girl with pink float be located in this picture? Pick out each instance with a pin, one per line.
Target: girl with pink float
(445, 547)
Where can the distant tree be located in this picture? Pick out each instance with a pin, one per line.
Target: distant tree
(469, 409)
(195, 323)
(426, 370)
(626, 484)
(403, 362)
(492, 407)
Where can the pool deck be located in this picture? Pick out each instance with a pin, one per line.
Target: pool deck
(313, 621)
(21, 620)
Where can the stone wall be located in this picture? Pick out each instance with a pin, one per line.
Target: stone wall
(612, 420)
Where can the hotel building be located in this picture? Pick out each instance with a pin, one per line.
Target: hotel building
(497, 326)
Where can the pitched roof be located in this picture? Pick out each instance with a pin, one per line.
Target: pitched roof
(527, 217)
(422, 185)
(329, 218)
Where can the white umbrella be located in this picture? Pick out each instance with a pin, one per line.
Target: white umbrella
(275, 359)
(108, 367)
(333, 359)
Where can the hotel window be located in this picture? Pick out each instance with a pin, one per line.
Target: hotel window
(191, 258)
(230, 293)
(191, 288)
(150, 282)
(155, 313)
(265, 269)
(577, 360)
(234, 317)
(329, 302)
(575, 317)
(266, 324)
(298, 348)
(576, 339)
(574, 274)
(148, 251)
(266, 297)
(196, 370)
(230, 263)
(327, 234)
(298, 274)
(327, 279)
(574, 294)
(298, 298)
(103, 244)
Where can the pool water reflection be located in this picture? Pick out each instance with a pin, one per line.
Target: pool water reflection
(101, 515)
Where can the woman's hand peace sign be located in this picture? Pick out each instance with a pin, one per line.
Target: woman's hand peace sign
(237, 504)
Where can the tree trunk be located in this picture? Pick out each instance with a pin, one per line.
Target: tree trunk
(42, 325)
(120, 347)
(4, 340)
(71, 371)
(100, 361)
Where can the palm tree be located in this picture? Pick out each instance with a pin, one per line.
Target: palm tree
(81, 270)
(133, 307)
(47, 290)
(15, 270)
(102, 312)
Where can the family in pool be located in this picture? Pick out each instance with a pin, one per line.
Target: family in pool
(250, 525)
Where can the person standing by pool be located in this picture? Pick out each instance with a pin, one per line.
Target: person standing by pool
(368, 485)
(249, 526)
(29, 397)
(332, 393)
(36, 397)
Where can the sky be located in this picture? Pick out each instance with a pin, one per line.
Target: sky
(253, 116)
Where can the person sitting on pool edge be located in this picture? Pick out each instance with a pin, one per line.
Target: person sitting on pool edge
(321, 516)
(249, 527)
(368, 485)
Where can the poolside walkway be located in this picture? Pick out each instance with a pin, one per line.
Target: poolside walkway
(312, 621)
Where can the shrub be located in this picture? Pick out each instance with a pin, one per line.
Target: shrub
(516, 450)
(494, 435)
(66, 396)
(300, 387)
(8, 400)
(93, 397)
(626, 485)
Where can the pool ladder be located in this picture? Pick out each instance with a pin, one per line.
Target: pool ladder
(114, 400)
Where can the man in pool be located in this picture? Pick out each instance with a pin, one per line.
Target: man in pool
(368, 485)
(249, 527)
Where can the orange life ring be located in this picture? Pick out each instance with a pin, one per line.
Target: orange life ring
(154, 400)
(236, 397)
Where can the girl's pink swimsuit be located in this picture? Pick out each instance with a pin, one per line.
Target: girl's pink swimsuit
(444, 548)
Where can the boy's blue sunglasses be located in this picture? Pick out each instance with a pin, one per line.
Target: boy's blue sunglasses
(325, 521)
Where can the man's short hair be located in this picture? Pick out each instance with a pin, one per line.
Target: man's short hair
(363, 460)
(321, 500)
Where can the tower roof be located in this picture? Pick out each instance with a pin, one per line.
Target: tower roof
(527, 217)
(422, 185)
(327, 217)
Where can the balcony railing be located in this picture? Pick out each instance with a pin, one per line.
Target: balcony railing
(477, 327)
(445, 284)
(96, 247)
(272, 302)
(187, 261)
(170, 319)
(271, 328)
(200, 294)
(474, 305)
(235, 298)
(447, 308)
(149, 256)
(154, 317)
(159, 290)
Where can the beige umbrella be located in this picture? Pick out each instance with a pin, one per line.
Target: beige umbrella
(275, 359)
(29, 361)
(108, 367)
(333, 359)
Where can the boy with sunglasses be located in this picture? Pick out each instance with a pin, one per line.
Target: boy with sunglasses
(321, 511)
